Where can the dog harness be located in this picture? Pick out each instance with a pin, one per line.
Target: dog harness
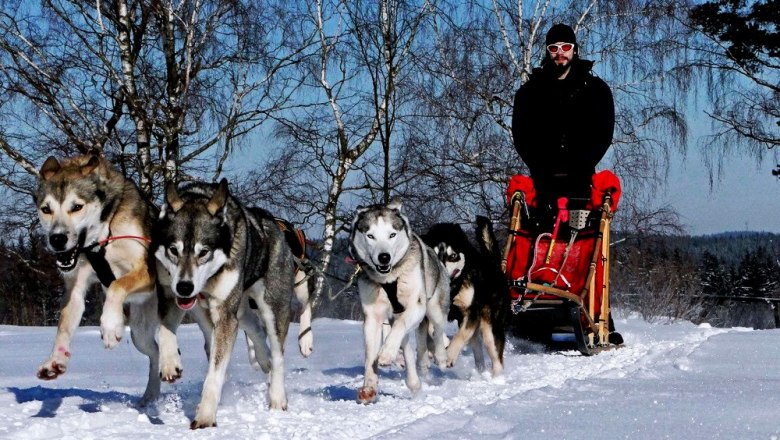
(391, 289)
(97, 257)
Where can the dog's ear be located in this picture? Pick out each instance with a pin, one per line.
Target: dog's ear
(90, 166)
(394, 203)
(172, 197)
(219, 199)
(49, 168)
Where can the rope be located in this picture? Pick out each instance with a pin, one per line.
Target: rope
(109, 239)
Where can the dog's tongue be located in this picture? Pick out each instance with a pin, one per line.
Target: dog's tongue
(186, 303)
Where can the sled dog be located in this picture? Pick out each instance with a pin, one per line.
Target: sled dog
(478, 291)
(98, 227)
(233, 261)
(401, 279)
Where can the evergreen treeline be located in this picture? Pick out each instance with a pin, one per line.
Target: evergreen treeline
(722, 279)
(725, 279)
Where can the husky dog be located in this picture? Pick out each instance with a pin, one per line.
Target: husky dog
(98, 226)
(214, 253)
(401, 278)
(478, 290)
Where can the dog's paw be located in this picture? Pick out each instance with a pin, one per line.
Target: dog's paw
(170, 368)
(306, 342)
(198, 424)
(279, 404)
(413, 384)
(53, 368)
(204, 419)
(452, 357)
(400, 361)
(386, 357)
(112, 327)
(366, 395)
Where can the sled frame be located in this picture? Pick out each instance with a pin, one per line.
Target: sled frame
(592, 336)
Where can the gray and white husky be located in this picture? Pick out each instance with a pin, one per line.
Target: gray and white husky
(217, 254)
(401, 279)
(98, 227)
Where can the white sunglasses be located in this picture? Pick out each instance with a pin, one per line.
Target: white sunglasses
(565, 47)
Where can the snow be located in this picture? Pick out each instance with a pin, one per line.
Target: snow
(671, 380)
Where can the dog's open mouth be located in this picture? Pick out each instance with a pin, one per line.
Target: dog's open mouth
(67, 260)
(186, 303)
(383, 268)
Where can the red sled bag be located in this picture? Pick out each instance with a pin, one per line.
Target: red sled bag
(568, 272)
(567, 269)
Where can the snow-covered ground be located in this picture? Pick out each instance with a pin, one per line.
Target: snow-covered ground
(677, 381)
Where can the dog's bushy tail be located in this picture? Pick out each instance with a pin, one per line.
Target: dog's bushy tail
(486, 238)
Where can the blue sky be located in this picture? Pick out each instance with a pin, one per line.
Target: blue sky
(746, 197)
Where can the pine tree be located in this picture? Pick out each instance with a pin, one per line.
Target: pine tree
(756, 274)
(714, 276)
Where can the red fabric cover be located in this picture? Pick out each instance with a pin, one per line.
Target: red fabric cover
(525, 184)
(574, 272)
(605, 182)
(569, 275)
(519, 255)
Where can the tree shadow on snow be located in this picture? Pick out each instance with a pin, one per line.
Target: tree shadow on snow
(51, 400)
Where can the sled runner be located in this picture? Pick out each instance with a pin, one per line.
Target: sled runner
(557, 265)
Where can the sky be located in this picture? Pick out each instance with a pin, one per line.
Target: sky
(746, 197)
(671, 380)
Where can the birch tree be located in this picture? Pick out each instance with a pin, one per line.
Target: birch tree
(483, 51)
(338, 142)
(164, 88)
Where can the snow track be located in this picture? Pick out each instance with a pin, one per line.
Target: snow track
(541, 395)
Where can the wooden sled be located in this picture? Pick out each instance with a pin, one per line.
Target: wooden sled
(559, 280)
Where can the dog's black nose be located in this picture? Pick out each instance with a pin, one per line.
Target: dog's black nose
(58, 241)
(384, 258)
(184, 288)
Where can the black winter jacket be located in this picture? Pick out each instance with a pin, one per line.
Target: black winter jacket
(563, 128)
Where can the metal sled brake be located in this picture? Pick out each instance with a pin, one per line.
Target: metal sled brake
(559, 278)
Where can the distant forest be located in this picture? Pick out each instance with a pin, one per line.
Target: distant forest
(729, 279)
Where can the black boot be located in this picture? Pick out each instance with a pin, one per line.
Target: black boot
(614, 337)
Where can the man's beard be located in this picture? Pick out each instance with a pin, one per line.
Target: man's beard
(560, 69)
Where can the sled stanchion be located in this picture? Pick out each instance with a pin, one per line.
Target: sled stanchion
(514, 227)
(605, 303)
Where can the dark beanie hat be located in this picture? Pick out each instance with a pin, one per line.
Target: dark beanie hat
(560, 32)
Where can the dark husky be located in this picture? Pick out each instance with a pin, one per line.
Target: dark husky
(214, 253)
(478, 289)
(98, 226)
